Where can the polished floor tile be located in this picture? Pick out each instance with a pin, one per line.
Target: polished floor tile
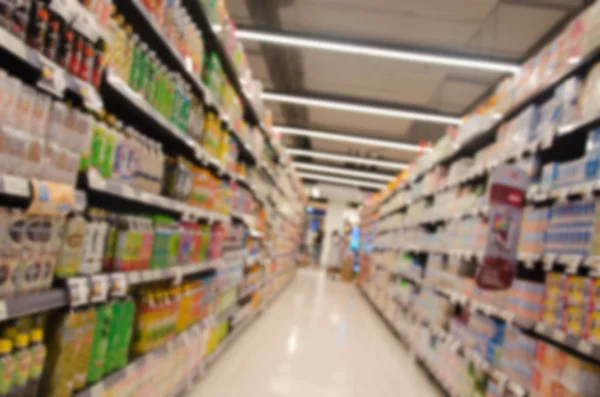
(319, 339)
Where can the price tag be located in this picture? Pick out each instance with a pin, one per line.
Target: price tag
(99, 287)
(3, 311)
(90, 96)
(53, 78)
(516, 389)
(14, 186)
(64, 8)
(585, 347)
(118, 285)
(133, 277)
(85, 23)
(572, 261)
(547, 140)
(97, 390)
(508, 316)
(540, 328)
(558, 335)
(95, 180)
(549, 260)
(79, 291)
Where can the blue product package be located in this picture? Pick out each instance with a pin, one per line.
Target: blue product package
(549, 175)
(593, 141)
(592, 165)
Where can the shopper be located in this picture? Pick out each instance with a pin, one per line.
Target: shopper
(336, 250)
(318, 246)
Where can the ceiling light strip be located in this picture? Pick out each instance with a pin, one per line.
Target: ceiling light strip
(356, 108)
(342, 171)
(347, 159)
(350, 139)
(352, 182)
(372, 51)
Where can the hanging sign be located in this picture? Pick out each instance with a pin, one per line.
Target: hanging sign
(506, 196)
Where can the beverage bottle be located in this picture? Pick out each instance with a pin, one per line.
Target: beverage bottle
(37, 353)
(7, 365)
(22, 358)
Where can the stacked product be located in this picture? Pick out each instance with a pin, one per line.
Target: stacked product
(43, 138)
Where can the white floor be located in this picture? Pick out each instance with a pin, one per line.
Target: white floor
(319, 339)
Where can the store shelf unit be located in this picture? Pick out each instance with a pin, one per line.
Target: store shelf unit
(146, 189)
(213, 42)
(436, 218)
(434, 368)
(193, 332)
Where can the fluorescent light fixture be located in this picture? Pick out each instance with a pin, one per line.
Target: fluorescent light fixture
(356, 108)
(350, 139)
(342, 171)
(347, 159)
(352, 182)
(373, 51)
(315, 192)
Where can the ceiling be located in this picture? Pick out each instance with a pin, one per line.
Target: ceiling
(508, 30)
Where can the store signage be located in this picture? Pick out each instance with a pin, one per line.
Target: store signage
(506, 196)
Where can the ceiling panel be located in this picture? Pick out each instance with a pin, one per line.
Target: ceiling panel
(358, 124)
(514, 29)
(369, 78)
(426, 22)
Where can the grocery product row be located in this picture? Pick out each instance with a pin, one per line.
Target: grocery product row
(140, 190)
(489, 355)
(119, 347)
(489, 243)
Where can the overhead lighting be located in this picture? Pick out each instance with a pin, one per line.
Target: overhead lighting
(350, 139)
(356, 108)
(373, 51)
(343, 181)
(315, 192)
(341, 171)
(347, 159)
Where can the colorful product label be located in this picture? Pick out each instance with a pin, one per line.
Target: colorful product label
(7, 369)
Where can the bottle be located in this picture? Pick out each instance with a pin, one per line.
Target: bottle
(22, 358)
(37, 353)
(7, 365)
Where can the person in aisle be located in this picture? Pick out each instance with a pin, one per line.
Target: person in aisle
(318, 246)
(334, 257)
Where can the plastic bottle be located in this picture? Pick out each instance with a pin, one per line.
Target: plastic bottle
(7, 365)
(37, 353)
(22, 357)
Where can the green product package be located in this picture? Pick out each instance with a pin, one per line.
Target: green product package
(108, 154)
(204, 241)
(97, 149)
(104, 317)
(142, 64)
(134, 70)
(162, 244)
(119, 337)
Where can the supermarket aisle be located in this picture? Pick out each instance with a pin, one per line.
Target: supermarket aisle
(319, 339)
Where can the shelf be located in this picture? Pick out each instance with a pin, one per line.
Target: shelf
(110, 380)
(38, 302)
(170, 51)
(99, 388)
(506, 384)
(58, 80)
(213, 42)
(583, 347)
(98, 184)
